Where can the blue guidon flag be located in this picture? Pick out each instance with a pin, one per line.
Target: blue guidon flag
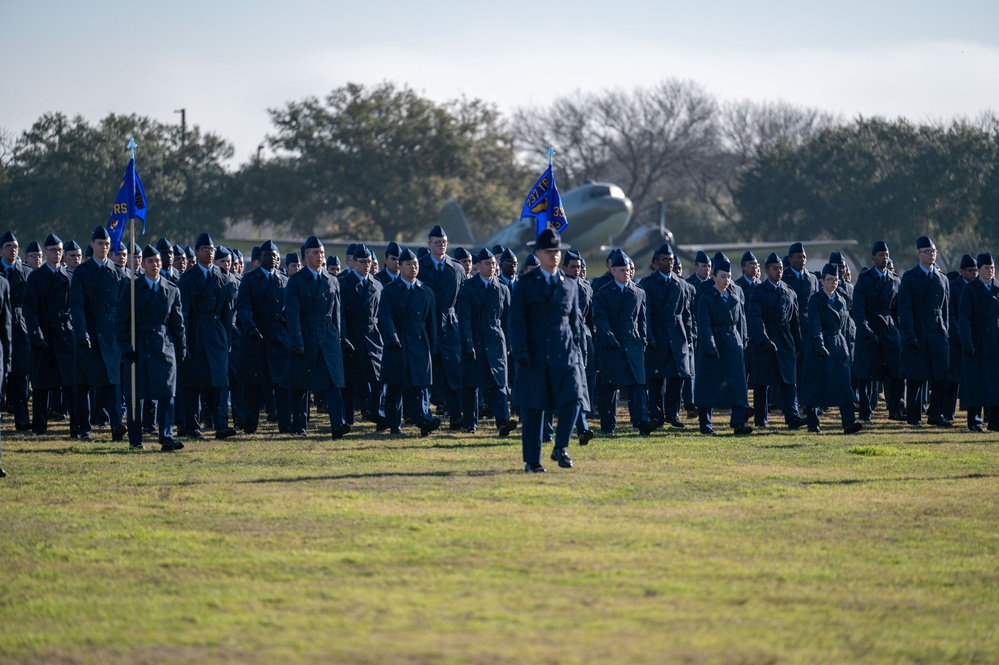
(545, 205)
(129, 204)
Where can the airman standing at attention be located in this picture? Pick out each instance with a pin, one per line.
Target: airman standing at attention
(46, 313)
(721, 342)
(206, 297)
(17, 273)
(360, 295)
(923, 321)
(621, 322)
(827, 363)
(669, 359)
(775, 345)
(443, 275)
(315, 335)
(483, 308)
(264, 350)
(160, 345)
(878, 353)
(408, 324)
(93, 299)
(979, 321)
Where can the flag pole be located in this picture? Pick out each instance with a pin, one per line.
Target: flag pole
(551, 153)
(131, 153)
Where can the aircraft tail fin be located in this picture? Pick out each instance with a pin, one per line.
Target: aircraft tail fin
(454, 222)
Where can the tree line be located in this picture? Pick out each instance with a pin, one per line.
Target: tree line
(379, 162)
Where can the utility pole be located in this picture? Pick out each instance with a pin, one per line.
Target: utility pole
(183, 126)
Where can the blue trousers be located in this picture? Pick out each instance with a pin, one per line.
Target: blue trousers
(533, 422)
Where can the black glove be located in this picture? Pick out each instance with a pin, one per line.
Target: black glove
(524, 362)
(130, 356)
(768, 346)
(711, 353)
(872, 340)
(255, 334)
(347, 345)
(822, 352)
(912, 343)
(185, 355)
(469, 353)
(651, 344)
(613, 344)
(39, 344)
(394, 345)
(969, 350)
(298, 350)
(83, 343)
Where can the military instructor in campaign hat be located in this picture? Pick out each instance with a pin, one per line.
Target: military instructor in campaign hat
(546, 331)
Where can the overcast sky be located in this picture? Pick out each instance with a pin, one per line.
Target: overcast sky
(228, 62)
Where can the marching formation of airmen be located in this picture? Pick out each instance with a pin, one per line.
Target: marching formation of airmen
(469, 336)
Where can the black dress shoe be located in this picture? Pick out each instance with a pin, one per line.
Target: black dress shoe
(743, 430)
(534, 468)
(381, 425)
(507, 426)
(454, 425)
(649, 426)
(169, 445)
(914, 423)
(83, 437)
(585, 437)
(395, 431)
(225, 433)
(976, 428)
(119, 433)
(3, 474)
(896, 416)
(136, 446)
(562, 457)
(338, 432)
(469, 430)
(298, 431)
(797, 423)
(939, 422)
(677, 423)
(708, 431)
(994, 426)
(238, 423)
(195, 434)
(852, 428)
(429, 426)
(814, 429)
(22, 427)
(272, 417)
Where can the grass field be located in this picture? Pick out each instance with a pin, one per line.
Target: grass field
(776, 548)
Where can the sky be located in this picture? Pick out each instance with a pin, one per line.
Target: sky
(228, 62)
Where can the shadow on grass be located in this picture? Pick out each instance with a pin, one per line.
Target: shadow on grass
(863, 481)
(382, 474)
(77, 449)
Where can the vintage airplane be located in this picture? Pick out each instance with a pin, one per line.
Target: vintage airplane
(598, 215)
(597, 212)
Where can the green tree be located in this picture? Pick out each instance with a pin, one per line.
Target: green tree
(63, 174)
(380, 163)
(874, 179)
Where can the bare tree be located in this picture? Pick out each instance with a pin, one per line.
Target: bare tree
(744, 128)
(640, 139)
